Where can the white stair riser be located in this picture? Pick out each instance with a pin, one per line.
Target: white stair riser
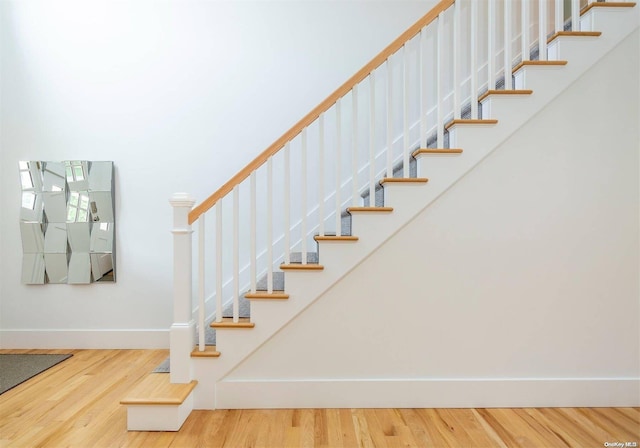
(611, 21)
(495, 106)
(461, 135)
(158, 417)
(564, 46)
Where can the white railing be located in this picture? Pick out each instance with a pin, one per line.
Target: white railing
(335, 157)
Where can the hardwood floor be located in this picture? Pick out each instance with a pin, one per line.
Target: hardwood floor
(75, 404)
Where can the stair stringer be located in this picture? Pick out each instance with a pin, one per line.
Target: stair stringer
(408, 201)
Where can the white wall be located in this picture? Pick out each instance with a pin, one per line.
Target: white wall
(180, 95)
(520, 285)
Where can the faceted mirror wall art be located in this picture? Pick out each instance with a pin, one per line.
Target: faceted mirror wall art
(67, 222)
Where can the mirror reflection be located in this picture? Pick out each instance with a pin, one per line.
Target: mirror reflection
(67, 221)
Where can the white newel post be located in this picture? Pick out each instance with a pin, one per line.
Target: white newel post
(183, 327)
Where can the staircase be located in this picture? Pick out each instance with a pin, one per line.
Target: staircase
(379, 153)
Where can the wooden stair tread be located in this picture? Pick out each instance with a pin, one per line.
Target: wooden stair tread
(209, 352)
(369, 209)
(335, 238)
(227, 322)
(469, 121)
(279, 295)
(404, 180)
(607, 4)
(156, 389)
(422, 151)
(302, 267)
(505, 92)
(538, 63)
(574, 33)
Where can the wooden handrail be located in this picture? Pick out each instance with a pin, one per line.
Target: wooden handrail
(319, 109)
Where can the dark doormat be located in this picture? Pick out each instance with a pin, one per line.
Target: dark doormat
(18, 368)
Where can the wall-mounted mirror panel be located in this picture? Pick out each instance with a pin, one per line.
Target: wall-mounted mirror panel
(55, 205)
(55, 239)
(53, 177)
(77, 174)
(101, 176)
(79, 234)
(102, 267)
(102, 238)
(32, 237)
(32, 207)
(56, 267)
(101, 206)
(67, 221)
(33, 268)
(79, 268)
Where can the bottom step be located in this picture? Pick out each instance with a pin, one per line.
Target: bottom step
(156, 404)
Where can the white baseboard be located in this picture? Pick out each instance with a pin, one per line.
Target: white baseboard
(429, 393)
(85, 339)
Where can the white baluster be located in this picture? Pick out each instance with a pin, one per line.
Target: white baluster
(575, 15)
(303, 195)
(526, 53)
(372, 136)
(389, 118)
(236, 255)
(422, 60)
(219, 261)
(252, 236)
(542, 29)
(491, 42)
(270, 225)
(354, 151)
(405, 112)
(558, 15)
(201, 310)
(508, 81)
(287, 201)
(338, 169)
(321, 175)
(474, 62)
(439, 69)
(457, 109)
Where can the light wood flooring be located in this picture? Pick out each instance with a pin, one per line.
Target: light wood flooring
(76, 404)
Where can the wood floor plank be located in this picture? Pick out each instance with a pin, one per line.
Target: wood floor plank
(566, 434)
(379, 428)
(626, 428)
(334, 428)
(586, 420)
(416, 426)
(541, 431)
(440, 431)
(473, 426)
(361, 428)
(347, 427)
(492, 418)
(491, 433)
(306, 422)
(76, 404)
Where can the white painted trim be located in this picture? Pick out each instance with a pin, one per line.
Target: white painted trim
(85, 339)
(425, 393)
